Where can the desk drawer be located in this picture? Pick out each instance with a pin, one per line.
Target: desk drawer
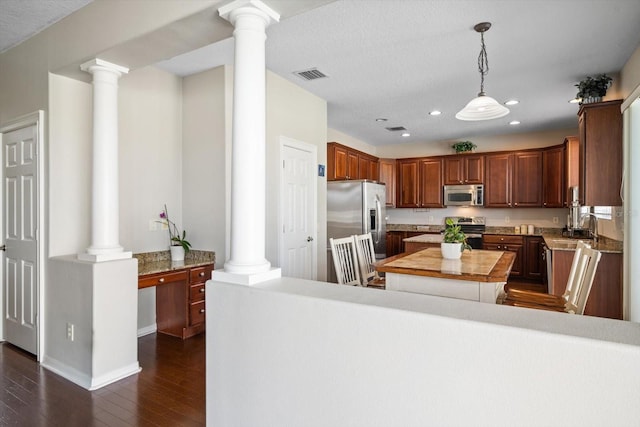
(162, 278)
(201, 274)
(196, 292)
(196, 313)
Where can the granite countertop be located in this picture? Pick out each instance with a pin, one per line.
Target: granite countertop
(477, 265)
(604, 244)
(160, 262)
(424, 238)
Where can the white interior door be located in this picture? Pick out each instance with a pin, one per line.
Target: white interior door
(19, 228)
(298, 246)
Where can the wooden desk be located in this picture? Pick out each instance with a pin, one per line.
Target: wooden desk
(180, 294)
(478, 276)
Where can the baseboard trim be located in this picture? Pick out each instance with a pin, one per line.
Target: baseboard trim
(147, 330)
(84, 380)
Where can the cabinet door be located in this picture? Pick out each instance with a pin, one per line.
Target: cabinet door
(571, 166)
(497, 187)
(408, 180)
(353, 165)
(431, 183)
(517, 269)
(374, 170)
(600, 127)
(534, 265)
(394, 243)
(388, 177)
(553, 178)
(453, 170)
(527, 179)
(336, 162)
(474, 169)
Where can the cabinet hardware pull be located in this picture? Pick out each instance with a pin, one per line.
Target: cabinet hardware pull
(498, 246)
(161, 280)
(201, 274)
(201, 310)
(506, 248)
(202, 290)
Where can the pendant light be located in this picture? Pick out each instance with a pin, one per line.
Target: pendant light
(483, 107)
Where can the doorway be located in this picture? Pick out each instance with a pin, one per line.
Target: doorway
(21, 225)
(298, 210)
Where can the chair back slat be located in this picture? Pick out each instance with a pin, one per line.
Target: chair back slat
(586, 272)
(366, 257)
(345, 260)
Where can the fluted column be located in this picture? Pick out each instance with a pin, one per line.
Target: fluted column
(247, 262)
(104, 196)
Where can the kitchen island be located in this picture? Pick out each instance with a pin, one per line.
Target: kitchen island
(478, 275)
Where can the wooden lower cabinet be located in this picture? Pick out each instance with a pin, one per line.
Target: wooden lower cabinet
(180, 299)
(418, 246)
(395, 243)
(499, 242)
(605, 298)
(534, 263)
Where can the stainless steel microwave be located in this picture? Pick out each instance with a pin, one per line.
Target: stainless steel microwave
(464, 195)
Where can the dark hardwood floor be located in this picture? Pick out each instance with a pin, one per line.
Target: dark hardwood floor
(169, 391)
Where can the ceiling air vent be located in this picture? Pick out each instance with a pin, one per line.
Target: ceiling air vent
(396, 128)
(310, 74)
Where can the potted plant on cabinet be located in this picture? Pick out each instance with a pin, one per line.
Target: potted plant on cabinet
(592, 89)
(179, 246)
(464, 147)
(454, 241)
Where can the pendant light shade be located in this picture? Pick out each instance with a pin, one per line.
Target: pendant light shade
(483, 107)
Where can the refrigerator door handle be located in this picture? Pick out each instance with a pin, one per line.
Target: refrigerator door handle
(378, 217)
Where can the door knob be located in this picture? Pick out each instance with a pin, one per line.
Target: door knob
(3, 248)
(309, 239)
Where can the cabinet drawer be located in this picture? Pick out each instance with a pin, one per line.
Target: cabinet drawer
(160, 279)
(201, 274)
(196, 313)
(196, 292)
(502, 239)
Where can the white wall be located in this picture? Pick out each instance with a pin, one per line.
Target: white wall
(204, 160)
(317, 354)
(294, 113)
(334, 135)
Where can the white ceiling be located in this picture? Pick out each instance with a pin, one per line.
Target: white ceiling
(399, 59)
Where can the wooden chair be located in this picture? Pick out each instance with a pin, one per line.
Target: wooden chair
(579, 283)
(366, 257)
(345, 260)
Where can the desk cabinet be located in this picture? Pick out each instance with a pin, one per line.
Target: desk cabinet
(180, 299)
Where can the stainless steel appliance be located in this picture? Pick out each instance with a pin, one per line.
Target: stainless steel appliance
(575, 219)
(473, 227)
(356, 207)
(464, 195)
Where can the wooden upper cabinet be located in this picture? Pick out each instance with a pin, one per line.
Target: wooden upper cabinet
(526, 190)
(419, 183)
(600, 153)
(553, 177)
(346, 163)
(463, 169)
(497, 186)
(388, 177)
(408, 181)
(431, 183)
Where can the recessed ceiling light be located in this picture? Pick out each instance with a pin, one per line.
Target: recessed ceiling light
(514, 122)
(574, 101)
(380, 119)
(406, 134)
(512, 102)
(435, 113)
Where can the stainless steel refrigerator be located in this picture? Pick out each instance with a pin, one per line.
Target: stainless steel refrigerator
(355, 207)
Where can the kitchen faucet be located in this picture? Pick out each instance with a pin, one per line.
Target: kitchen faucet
(593, 224)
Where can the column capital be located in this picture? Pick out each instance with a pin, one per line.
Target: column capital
(231, 11)
(102, 65)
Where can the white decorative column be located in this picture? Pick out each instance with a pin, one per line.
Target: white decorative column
(104, 203)
(247, 263)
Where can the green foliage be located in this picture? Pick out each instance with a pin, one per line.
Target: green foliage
(175, 238)
(453, 234)
(463, 146)
(593, 86)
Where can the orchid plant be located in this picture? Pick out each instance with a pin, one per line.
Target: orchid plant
(174, 235)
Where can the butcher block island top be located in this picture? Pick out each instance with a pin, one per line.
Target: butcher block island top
(476, 265)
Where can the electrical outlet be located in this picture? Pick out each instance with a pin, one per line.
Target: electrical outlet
(507, 220)
(153, 225)
(555, 219)
(70, 330)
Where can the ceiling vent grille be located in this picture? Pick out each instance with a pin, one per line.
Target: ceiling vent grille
(396, 128)
(310, 74)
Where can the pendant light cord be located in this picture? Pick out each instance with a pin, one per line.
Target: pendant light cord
(483, 63)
